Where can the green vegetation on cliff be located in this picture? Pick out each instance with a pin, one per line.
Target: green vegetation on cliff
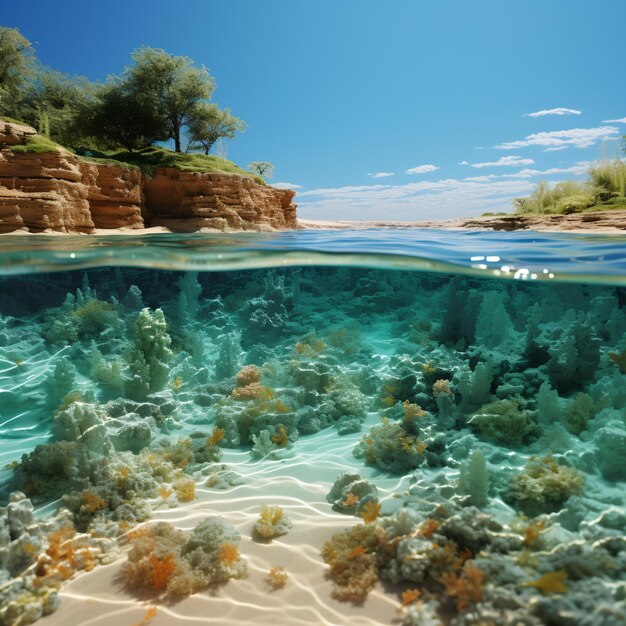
(604, 190)
(159, 98)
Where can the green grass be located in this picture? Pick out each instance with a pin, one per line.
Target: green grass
(151, 158)
(4, 118)
(147, 160)
(604, 190)
(37, 144)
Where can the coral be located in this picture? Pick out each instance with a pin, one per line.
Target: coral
(161, 570)
(466, 588)
(580, 411)
(575, 357)
(203, 552)
(543, 486)
(391, 447)
(552, 582)
(370, 511)
(185, 489)
(277, 577)
(248, 375)
(350, 492)
(493, 324)
(150, 356)
(410, 596)
(503, 422)
(252, 391)
(474, 479)
(272, 522)
(610, 450)
(351, 555)
(619, 359)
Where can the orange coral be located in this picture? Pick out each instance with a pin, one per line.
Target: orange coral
(358, 551)
(161, 570)
(280, 437)
(229, 553)
(412, 411)
(410, 596)
(429, 528)
(252, 391)
(177, 384)
(533, 531)
(370, 511)
(351, 500)
(466, 588)
(248, 375)
(92, 502)
(216, 436)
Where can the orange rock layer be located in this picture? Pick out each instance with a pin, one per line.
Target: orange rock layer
(59, 191)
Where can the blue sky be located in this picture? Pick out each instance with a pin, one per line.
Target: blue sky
(379, 109)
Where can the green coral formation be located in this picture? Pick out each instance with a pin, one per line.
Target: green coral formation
(544, 485)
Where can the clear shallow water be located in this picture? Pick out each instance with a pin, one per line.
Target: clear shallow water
(517, 255)
(182, 379)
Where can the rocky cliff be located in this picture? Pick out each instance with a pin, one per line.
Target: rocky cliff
(56, 190)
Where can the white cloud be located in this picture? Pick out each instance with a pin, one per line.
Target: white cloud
(507, 161)
(382, 174)
(422, 169)
(557, 111)
(621, 120)
(422, 200)
(286, 186)
(582, 167)
(559, 139)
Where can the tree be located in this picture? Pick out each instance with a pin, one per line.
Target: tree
(171, 85)
(262, 168)
(121, 118)
(17, 57)
(208, 123)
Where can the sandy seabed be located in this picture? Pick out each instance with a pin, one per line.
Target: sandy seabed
(299, 485)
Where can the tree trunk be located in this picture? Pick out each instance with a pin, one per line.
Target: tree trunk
(177, 140)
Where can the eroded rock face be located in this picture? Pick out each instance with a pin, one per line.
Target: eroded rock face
(186, 201)
(61, 192)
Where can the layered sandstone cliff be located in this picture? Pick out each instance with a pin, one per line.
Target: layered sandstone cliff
(58, 191)
(187, 201)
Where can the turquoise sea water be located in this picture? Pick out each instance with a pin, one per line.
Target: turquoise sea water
(473, 384)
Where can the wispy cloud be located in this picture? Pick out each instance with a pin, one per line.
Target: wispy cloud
(507, 161)
(382, 174)
(582, 167)
(559, 139)
(422, 169)
(557, 111)
(413, 201)
(621, 120)
(286, 186)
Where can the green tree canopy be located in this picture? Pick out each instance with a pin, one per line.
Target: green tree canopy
(17, 58)
(208, 123)
(170, 84)
(262, 168)
(121, 118)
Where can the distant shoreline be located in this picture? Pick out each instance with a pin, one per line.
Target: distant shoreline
(591, 222)
(599, 222)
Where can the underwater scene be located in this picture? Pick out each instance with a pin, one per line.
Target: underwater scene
(313, 428)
